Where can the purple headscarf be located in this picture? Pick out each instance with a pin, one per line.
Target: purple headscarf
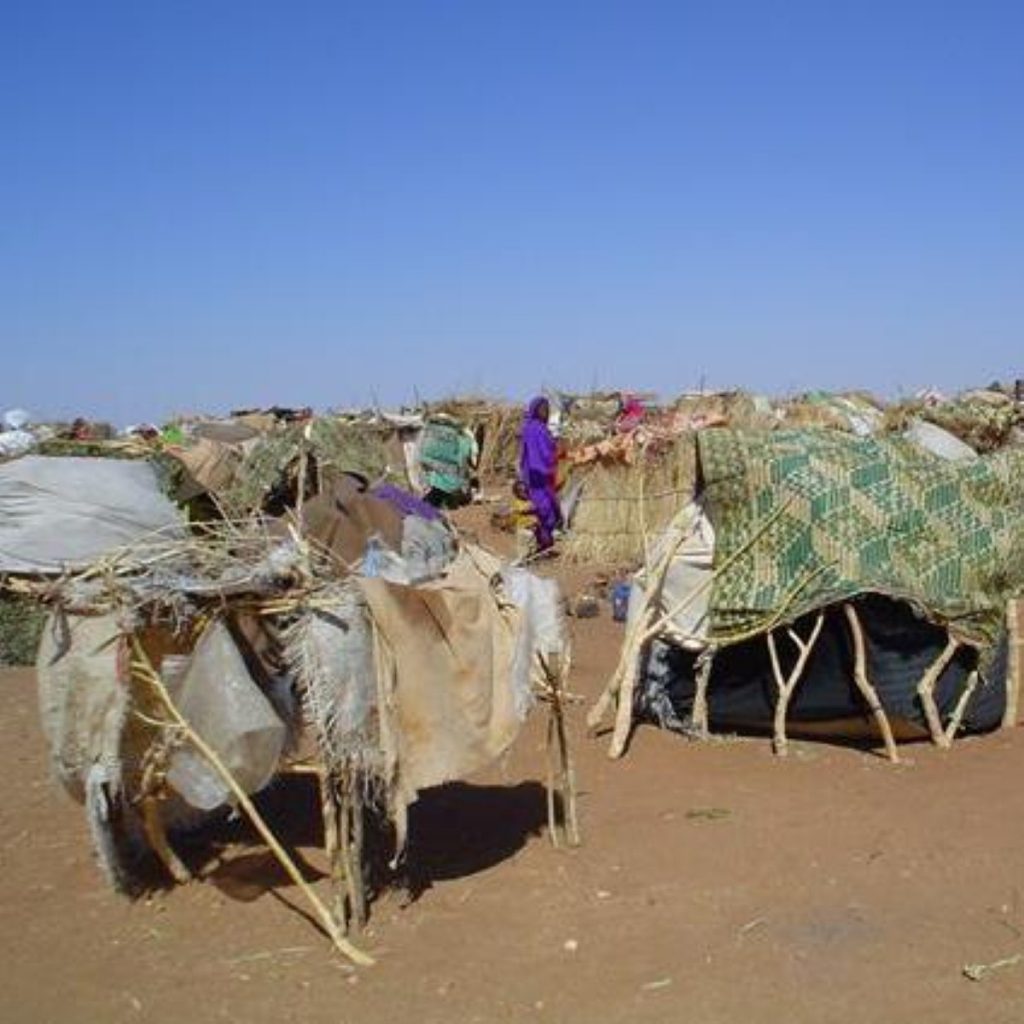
(406, 503)
(538, 461)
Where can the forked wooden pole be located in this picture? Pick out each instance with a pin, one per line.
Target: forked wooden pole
(787, 684)
(145, 669)
(926, 692)
(860, 677)
(561, 772)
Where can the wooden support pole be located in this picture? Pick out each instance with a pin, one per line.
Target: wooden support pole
(926, 692)
(621, 686)
(569, 807)
(144, 667)
(961, 707)
(787, 684)
(860, 677)
(561, 772)
(330, 812)
(156, 834)
(352, 846)
(1015, 662)
(699, 714)
(554, 833)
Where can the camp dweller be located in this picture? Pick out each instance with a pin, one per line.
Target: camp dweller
(631, 414)
(538, 463)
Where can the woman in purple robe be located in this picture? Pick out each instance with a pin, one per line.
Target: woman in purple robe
(538, 463)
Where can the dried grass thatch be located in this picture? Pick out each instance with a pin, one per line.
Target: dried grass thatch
(622, 503)
(738, 409)
(370, 449)
(984, 423)
(499, 455)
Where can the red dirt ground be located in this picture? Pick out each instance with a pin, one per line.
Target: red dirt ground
(828, 887)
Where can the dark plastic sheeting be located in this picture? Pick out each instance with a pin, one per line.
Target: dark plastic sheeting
(901, 646)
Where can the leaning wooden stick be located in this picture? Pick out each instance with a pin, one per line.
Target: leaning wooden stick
(926, 692)
(144, 667)
(961, 707)
(860, 677)
(633, 637)
(623, 685)
(787, 684)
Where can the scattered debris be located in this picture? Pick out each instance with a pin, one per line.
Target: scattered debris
(977, 972)
(653, 986)
(708, 813)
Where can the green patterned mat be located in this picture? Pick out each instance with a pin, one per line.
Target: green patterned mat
(806, 518)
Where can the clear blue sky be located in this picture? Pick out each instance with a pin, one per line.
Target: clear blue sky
(206, 204)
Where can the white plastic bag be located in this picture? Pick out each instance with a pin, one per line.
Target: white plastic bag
(218, 698)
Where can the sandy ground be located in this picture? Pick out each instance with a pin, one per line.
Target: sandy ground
(715, 884)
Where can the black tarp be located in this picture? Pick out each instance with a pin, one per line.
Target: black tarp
(900, 647)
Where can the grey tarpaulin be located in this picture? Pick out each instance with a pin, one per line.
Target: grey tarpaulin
(61, 513)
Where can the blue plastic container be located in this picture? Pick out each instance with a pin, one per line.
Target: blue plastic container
(620, 602)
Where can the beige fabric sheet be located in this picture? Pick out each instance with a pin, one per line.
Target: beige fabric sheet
(444, 655)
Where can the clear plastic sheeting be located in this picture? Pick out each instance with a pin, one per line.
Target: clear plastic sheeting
(427, 550)
(65, 513)
(219, 699)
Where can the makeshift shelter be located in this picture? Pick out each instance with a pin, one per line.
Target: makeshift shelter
(448, 456)
(494, 425)
(823, 576)
(622, 503)
(189, 673)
